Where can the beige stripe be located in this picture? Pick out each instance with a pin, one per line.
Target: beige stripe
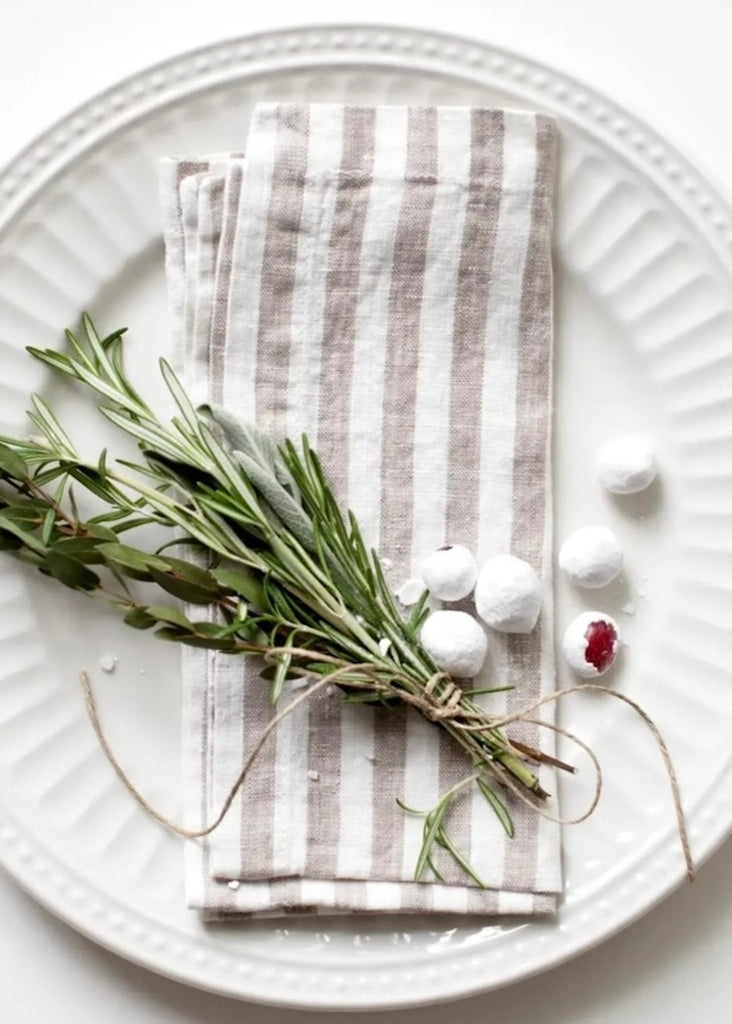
(431, 433)
(479, 237)
(498, 424)
(530, 468)
(339, 318)
(271, 377)
(279, 263)
(482, 901)
(466, 395)
(222, 289)
(399, 402)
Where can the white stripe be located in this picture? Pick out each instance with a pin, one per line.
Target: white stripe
(372, 319)
(175, 257)
(290, 824)
(238, 395)
(197, 364)
(325, 143)
(499, 418)
(193, 667)
(502, 334)
(432, 426)
(243, 317)
(251, 897)
(189, 188)
(449, 898)
(317, 892)
(515, 902)
(383, 896)
(364, 468)
(548, 839)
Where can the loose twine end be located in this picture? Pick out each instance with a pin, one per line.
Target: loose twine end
(437, 704)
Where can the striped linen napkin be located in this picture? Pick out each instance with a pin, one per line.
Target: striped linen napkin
(379, 277)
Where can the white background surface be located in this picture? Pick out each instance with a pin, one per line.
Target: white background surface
(668, 63)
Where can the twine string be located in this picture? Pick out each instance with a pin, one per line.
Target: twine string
(436, 704)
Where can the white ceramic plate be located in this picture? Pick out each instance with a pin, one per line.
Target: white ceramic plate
(644, 339)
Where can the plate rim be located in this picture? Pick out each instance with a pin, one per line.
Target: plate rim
(305, 46)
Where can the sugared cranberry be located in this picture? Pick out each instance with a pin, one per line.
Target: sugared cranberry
(590, 643)
(602, 640)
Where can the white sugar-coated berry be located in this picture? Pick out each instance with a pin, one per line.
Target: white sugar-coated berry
(590, 643)
(591, 556)
(456, 641)
(508, 594)
(626, 465)
(450, 572)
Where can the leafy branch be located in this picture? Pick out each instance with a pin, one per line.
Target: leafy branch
(289, 576)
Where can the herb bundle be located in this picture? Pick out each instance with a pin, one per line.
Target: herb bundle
(289, 575)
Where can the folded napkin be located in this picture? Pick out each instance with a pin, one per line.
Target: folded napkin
(379, 277)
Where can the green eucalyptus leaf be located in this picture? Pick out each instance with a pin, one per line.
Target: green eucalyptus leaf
(25, 536)
(212, 629)
(83, 549)
(29, 514)
(189, 572)
(70, 572)
(173, 616)
(138, 618)
(12, 463)
(170, 633)
(132, 562)
(244, 584)
(184, 580)
(182, 588)
(9, 542)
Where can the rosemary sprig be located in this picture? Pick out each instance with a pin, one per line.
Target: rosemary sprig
(290, 576)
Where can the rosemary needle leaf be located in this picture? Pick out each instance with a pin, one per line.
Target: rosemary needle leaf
(432, 826)
(498, 806)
